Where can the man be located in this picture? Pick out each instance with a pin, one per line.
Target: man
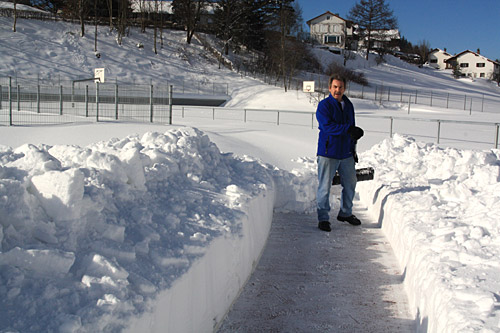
(338, 135)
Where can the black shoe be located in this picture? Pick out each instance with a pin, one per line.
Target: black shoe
(324, 225)
(351, 219)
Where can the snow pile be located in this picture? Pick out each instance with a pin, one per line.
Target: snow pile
(94, 236)
(440, 209)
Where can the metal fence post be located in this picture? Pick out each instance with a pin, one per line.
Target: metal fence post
(470, 111)
(38, 99)
(170, 103)
(447, 100)
(416, 95)
(18, 97)
(151, 103)
(465, 102)
(97, 100)
(409, 102)
(213, 113)
(431, 97)
(439, 131)
(392, 122)
(1, 97)
(10, 101)
(482, 104)
(87, 100)
(278, 119)
(496, 135)
(60, 100)
(245, 115)
(116, 101)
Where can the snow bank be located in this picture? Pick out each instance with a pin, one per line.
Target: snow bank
(118, 233)
(440, 209)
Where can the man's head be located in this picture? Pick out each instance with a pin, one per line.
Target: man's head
(337, 86)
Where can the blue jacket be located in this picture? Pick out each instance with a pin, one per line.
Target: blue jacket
(333, 141)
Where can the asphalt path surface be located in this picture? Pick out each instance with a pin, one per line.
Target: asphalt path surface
(308, 280)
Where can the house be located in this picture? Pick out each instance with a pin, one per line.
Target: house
(331, 30)
(437, 58)
(473, 64)
(380, 39)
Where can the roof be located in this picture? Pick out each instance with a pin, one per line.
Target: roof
(325, 13)
(439, 50)
(456, 56)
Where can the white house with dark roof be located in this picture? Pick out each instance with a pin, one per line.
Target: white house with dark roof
(331, 30)
(437, 58)
(473, 64)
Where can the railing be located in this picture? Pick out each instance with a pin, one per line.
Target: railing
(302, 118)
(58, 104)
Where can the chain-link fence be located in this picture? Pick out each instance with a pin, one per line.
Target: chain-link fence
(25, 101)
(83, 102)
(468, 101)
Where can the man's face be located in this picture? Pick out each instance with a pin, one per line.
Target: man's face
(337, 89)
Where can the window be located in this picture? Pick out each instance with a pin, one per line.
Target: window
(434, 61)
(332, 39)
(480, 64)
(482, 75)
(464, 64)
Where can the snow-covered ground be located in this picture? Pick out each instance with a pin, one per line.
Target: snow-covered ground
(137, 227)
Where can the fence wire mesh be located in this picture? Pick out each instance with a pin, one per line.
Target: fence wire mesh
(43, 104)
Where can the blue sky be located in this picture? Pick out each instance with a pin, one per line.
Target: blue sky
(456, 25)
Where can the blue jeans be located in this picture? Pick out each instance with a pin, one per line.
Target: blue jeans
(326, 171)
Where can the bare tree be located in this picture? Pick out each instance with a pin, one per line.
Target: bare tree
(370, 16)
(83, 11)
(123, 9)
(110, 11)
(188, 13)
(423, 47)
(95, 26)
(287, 18)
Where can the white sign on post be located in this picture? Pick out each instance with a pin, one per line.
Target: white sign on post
(308, 86)
(99, 75)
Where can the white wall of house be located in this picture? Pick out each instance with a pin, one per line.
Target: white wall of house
(475, 65)
(437, 58)
(329, 29)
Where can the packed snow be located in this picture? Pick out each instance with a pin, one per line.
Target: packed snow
(152, 227)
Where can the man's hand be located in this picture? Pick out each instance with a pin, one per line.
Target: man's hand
(355, 132)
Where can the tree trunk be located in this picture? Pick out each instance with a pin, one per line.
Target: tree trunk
(110, 10)
(80, 14)
(95, 24)
(15, 16)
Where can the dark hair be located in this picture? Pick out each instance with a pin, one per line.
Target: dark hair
(337, 77)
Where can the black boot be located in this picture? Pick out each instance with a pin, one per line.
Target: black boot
(324, 225)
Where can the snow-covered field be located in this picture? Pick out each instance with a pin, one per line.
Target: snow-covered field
(146, 227)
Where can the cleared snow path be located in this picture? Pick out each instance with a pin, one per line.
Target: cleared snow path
(308, 280)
